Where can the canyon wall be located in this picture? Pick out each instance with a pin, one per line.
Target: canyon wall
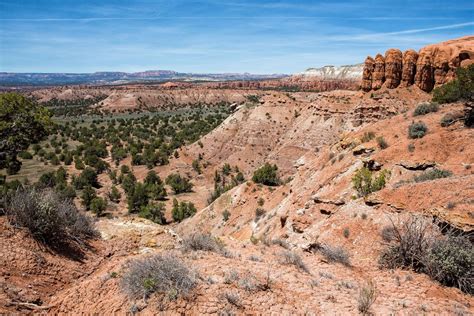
(432, 66)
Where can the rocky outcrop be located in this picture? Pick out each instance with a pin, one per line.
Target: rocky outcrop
(393, 68)
(369, 65)
(409, 60)
(378, 76)
(432, 66)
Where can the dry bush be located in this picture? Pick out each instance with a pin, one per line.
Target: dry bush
(49, 217)
(367, 296)
(410, 242)
(335, 254)
(204, 242)
(163, 274)
(421, 246)
(292, 258)
(233, 299)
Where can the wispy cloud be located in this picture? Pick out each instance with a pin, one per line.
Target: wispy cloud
(414, 31)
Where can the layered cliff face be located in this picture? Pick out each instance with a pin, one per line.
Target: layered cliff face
(432, 66)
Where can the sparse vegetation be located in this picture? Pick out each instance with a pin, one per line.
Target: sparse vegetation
(432, 175)
(417, 130)
(419, 245)
(48, 217)
(367, 297)
(162, 274)
(425, 108)
(365, 182)
(292, 258)
(462, 88)
(335, 254)
(204, 242)
(182, 210)
(178, 183)
(267, 175)
(367, 137)
(381, 142)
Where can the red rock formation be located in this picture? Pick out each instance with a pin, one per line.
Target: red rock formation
(367, 73)
(378, 76)
(393, 68)
(424, 77)
(409, 67)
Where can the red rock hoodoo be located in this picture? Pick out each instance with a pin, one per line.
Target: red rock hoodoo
(432, 66)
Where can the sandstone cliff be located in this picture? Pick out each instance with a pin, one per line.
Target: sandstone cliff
(432, 66)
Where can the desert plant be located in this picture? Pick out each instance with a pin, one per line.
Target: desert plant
(259, 212)
(447, 120)
(114, 195)
(419, 245)
(417, 130)
(432, 175)
(367, 296)
(450, 261)
(382, 142)
(182, 210)
(162, 274)
(367, 137)
(425, 108)
(49, 217)
(154, 212)
(365, 182)
(335, 254)
(459, 89)
(179, 184)
(267, 175)
(226, 215)
(199, 241)
(98, 205)
(292, 258)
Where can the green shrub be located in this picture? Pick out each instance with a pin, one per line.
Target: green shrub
(417, 130)
(450, 261)
(98, 205)
(432, 175)
(462, 88)
(365, 182)
(154, 212)
(253, 98)
(226, 215)
(425, 108)
(197, 166)
(179, 184)
(114, 194)
(23, 122)
(267, 175)
(88, 194)
(182, 210)
(25, 155)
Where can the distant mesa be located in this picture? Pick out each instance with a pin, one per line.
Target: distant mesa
(432, 66)
(334, 72)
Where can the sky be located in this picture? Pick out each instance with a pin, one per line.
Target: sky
(217, 36)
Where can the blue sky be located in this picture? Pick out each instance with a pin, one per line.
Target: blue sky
(258, 36)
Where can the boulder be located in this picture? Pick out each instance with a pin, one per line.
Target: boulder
(393, 68)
